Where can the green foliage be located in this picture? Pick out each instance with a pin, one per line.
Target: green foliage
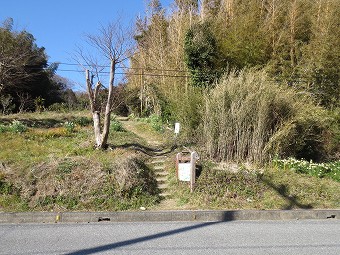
(6, 188)
(116, 183)
(116, 126)
(15, 127)
(335, 131)
(66, 166)
(69, 126)
(156, 122)
(201, 55)
(6, 104)
(3, 128)
(24, 71)
(242, 41)
(320, 170)
(58, 107)
(247, 188)
(39, 104)
(18, 127)
(187, 110)
(320, 63)
(82, 121)
(244, 184)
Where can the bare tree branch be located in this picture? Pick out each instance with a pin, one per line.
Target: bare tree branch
(114, 44)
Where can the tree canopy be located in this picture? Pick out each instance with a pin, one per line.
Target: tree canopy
(24, 69)
(296, 41)
(186, 53)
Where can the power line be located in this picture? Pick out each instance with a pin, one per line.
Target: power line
(121, 73)
(123, 67)
(127, 74)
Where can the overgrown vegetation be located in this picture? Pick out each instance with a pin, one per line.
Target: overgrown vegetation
(250, 118)
(16, 127)
(52, 166)
(27, 82)
(320, 170)
(250, 188)
(244, 77)
(253, 83)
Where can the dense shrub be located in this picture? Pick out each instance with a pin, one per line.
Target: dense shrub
(58, 107)
(156, 122)
(115, 125)
(249, 117)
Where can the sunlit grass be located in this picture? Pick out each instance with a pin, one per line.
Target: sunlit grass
(54, 165)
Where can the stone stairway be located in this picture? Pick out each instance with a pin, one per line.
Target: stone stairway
(157, 163)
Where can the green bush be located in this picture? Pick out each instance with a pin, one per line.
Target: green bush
(115, 125)
(334, 139)
(83, 121)
(187, 110)
(156, 122)
(3, 128)
(58, 107)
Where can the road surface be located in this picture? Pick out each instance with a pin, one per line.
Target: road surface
(234, 237)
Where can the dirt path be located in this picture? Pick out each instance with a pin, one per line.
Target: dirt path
(159, 162)
(150, 137)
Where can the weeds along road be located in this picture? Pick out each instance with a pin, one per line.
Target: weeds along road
(234, 237)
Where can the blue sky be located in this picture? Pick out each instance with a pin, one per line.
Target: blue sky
(60, 25)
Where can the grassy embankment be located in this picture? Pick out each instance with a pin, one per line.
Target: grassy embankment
(48, 163)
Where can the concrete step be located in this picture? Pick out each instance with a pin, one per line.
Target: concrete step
(161, 174)
(162, 179)
(158, 168)
(163, 186)
(157, 161)
(165, 195)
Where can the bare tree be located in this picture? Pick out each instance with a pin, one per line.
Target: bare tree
(114, 44)
(25, 100)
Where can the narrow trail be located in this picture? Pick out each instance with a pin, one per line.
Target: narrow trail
(158, 160)
(152, 141)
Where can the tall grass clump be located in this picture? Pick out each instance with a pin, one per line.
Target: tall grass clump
(249, 117)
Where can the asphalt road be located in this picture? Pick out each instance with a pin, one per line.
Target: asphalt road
(234, 237)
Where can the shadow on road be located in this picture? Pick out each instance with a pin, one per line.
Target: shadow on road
(227, 217)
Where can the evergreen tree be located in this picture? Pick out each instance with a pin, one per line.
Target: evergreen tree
(24, 68)
(201, 55)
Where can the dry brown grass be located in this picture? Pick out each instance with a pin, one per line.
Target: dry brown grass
(250, 118)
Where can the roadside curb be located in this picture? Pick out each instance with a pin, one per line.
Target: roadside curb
(164, 216)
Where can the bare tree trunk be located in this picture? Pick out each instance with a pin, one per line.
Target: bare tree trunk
(96, 126)
(114, 44)
(107, 116)
(93, 96)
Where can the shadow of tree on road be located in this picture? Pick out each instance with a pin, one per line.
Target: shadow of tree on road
(228, 216)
